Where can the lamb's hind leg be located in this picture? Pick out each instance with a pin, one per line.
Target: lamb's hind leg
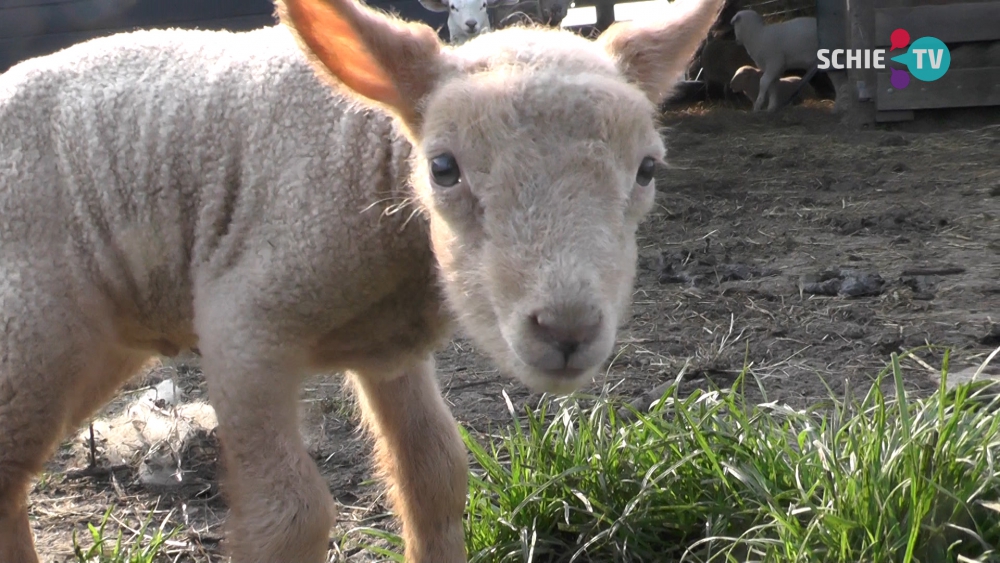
(55, 370)
(767, 86)
(421, 453)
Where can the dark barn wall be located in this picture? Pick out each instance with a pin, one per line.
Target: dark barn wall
(30, 28)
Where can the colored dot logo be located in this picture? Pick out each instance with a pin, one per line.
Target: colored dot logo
(927, 59)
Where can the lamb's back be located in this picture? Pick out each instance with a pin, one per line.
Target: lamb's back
(145, 159)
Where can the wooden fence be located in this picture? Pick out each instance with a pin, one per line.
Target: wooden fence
(868, 24)
(30, 28)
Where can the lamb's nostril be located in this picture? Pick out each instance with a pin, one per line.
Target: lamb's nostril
(471, 24)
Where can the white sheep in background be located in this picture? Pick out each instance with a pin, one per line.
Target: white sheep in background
(746, 81)
(776, 48)
(466, 18)
(163, 190)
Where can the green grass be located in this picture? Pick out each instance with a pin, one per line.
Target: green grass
(708, 477)
(144, 546)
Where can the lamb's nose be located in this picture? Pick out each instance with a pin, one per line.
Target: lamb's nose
(471, 24)
(567, 347)
(567, 331)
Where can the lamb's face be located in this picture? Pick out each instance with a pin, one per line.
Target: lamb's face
(744, 20)
(536, 183)
(468, 17)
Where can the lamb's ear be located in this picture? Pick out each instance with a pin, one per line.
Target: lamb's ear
(380, 58)
(655, 54)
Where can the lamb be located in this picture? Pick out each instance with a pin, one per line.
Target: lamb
(542, 12)
(776, 48)
(466, 18)
(746, 81)
(334, 194)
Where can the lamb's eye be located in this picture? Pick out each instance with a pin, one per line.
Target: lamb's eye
(444, 170)
(646, 170)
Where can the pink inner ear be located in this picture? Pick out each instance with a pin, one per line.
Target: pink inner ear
(332, 35)
(653, 54)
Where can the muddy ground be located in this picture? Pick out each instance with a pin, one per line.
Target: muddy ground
(756, 217)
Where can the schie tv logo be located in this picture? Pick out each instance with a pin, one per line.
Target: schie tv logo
(927, 59)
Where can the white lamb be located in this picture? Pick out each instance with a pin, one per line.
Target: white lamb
(776, 48)
(164, 190)
(466, 18)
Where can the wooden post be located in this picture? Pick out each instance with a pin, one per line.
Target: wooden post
(831, 30)
(605, 14)
(861, 81)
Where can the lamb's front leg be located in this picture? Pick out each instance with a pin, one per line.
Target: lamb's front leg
(281, 510)
(422, 455)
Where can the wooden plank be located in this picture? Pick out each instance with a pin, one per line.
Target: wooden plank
(605, 14)
(17, 49)
(958, 88)
(879, 4)
(952, 23)
(27, 3)
(893, 116)
(831, 24)
(588, 3)
(87, 15)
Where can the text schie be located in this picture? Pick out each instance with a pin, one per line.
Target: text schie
(840, 59)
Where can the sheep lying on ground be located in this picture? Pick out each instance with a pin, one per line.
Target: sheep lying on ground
(776, 48)
(466, 18)
(169, 189)
(544, 12)
(746, 81)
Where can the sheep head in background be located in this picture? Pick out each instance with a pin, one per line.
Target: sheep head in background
(466, 18)
(744, 23)
(170, 189)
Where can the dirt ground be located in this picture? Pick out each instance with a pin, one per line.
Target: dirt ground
(761, 221)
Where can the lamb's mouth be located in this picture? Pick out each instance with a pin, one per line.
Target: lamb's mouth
(561, 381)
(566, 374)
